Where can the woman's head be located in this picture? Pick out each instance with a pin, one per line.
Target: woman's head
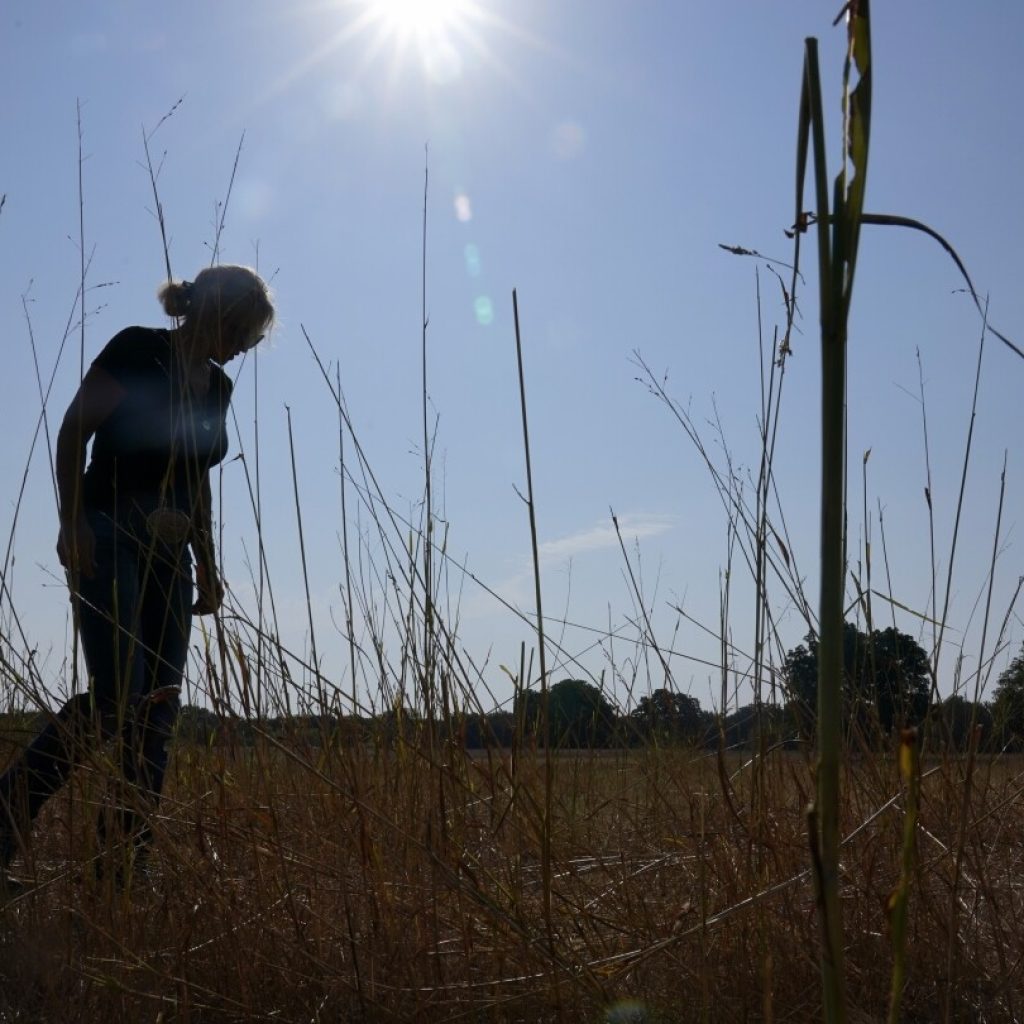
(228, 306)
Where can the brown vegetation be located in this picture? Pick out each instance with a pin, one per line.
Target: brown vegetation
(298, 883)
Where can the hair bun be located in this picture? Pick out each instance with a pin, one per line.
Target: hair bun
(176, 297)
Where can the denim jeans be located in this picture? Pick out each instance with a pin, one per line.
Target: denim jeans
(134, 619)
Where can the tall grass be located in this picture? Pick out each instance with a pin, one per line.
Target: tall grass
(332, 851)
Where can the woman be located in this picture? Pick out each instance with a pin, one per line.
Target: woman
(154, 404)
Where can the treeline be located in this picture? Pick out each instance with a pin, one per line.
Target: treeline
(747, 728)
(886, 687)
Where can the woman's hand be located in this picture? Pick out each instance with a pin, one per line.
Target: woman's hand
(210, 587)
(76, 547)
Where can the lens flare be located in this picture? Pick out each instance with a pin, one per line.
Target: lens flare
(484, 310)
(463, 208)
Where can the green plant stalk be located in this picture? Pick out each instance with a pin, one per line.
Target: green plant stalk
(830, 665)
(910, 769)
(838, 236)
(825, 819)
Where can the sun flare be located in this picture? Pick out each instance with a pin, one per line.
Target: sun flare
(421, 18)
(437, 30)
(441, 39)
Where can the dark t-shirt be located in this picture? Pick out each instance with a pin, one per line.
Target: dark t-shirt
(155, 446)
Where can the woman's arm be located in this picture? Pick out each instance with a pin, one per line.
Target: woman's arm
(97, 397)
(208, 583)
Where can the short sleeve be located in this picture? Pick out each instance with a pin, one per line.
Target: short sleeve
(127, 354)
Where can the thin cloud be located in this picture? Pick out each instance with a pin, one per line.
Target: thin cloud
(632, 526)
(517, 588)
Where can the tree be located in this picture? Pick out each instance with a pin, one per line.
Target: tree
(752, 725)
(1008, 704)
(579, 714)
(800, 675)
(886, 679)
(893, 673)
(957, 713)
(667, 715)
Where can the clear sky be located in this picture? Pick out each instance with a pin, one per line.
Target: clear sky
(593, 155)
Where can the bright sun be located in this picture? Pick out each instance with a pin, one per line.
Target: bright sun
(437, 30)
(421, 18)
(442, 37)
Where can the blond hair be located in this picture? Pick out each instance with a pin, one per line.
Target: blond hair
(222, 296)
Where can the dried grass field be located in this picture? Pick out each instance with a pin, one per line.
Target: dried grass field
(322, 883)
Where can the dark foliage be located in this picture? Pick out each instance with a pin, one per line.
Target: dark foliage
(886, 680)
(956, 715)
(1008, 706)
(667, 716)
(579, 715)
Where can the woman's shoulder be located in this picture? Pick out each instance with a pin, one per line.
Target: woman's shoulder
(135, 347)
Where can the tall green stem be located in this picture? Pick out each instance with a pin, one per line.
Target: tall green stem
(838, 230)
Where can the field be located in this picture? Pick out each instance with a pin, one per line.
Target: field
(329, 850)
(302, 883)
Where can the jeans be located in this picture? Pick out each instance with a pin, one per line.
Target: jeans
(134, 619)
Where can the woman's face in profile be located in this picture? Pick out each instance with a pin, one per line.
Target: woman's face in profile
(230, 343)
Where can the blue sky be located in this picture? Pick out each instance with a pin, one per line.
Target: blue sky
(592, 155)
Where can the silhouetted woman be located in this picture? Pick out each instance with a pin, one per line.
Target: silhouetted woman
(154, 404)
